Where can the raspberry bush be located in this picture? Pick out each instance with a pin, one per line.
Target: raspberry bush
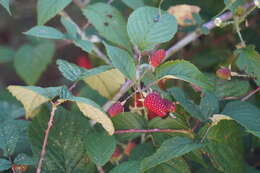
(129, 86)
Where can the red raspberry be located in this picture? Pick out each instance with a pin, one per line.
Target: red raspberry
(158, 105)
(83, 61)
(115, 109)
(151, 115)
(116, 156)
(224, 73)
(157, 57)
(130, 146)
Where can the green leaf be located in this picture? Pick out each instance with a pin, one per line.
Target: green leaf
(209, 105)
(10, 111)
(134, 4)
(127, 167)
(141, 151)
(66, 142)
(73, 72)
(47, 9)
(187, 104)
(224, 158)
(93, 111)
(231, 88)
(23, 159)
(33, 97)
(122, 60)
(6, 54)
(183, 70)
(170, 149)
(5, 164)
(30, 62)
(85, 45)
(249, 61)
(10, 133)
(146, 28)
(128, 120)
(102, 82)
(45, 32)
(233, 4)
(6, 4)
(245, 114)
(100, 146)
(70, 27)
(109, 22)
(176, 165)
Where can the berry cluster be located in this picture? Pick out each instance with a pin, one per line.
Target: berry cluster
(158, 105)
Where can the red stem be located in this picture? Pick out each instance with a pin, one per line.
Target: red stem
(251, 94)
(188, 132)
(43, 151)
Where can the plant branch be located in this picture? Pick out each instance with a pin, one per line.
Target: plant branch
(47, 132)
(194, 35)
(250, 94)
(84, 37)
(188, 132)
(125, 87)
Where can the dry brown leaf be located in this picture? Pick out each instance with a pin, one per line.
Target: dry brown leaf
(184, 12)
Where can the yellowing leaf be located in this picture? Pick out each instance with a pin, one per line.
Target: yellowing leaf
(183, 13)
(216, 118)
(93, 111)
(106, 83)
(32, 97)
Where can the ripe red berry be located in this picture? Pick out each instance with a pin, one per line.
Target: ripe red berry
(130, 146)
(83, 61)
(158, 105)
(116, 156)
(115, 109)
(224, 73)
(151, 115)
(157, 57)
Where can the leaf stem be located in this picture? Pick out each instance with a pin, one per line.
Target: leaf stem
(45, 141)
(250, 94)
(188, 132)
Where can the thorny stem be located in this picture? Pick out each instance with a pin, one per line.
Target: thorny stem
(45, 141)
(251, 94)
(188, 132)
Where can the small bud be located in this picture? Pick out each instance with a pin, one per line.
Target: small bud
(218, 22)
(257, 3)
(224, 73)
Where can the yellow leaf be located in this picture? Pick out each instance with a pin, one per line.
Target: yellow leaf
(184, 12)
(216, 118)
(106, 83)
(30, 99)
(97, 115)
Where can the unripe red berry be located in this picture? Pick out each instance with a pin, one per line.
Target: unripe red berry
(116, 156)
(224, 73)
(157, 57)
(83, 61)
(115, 109)
(130, 146)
